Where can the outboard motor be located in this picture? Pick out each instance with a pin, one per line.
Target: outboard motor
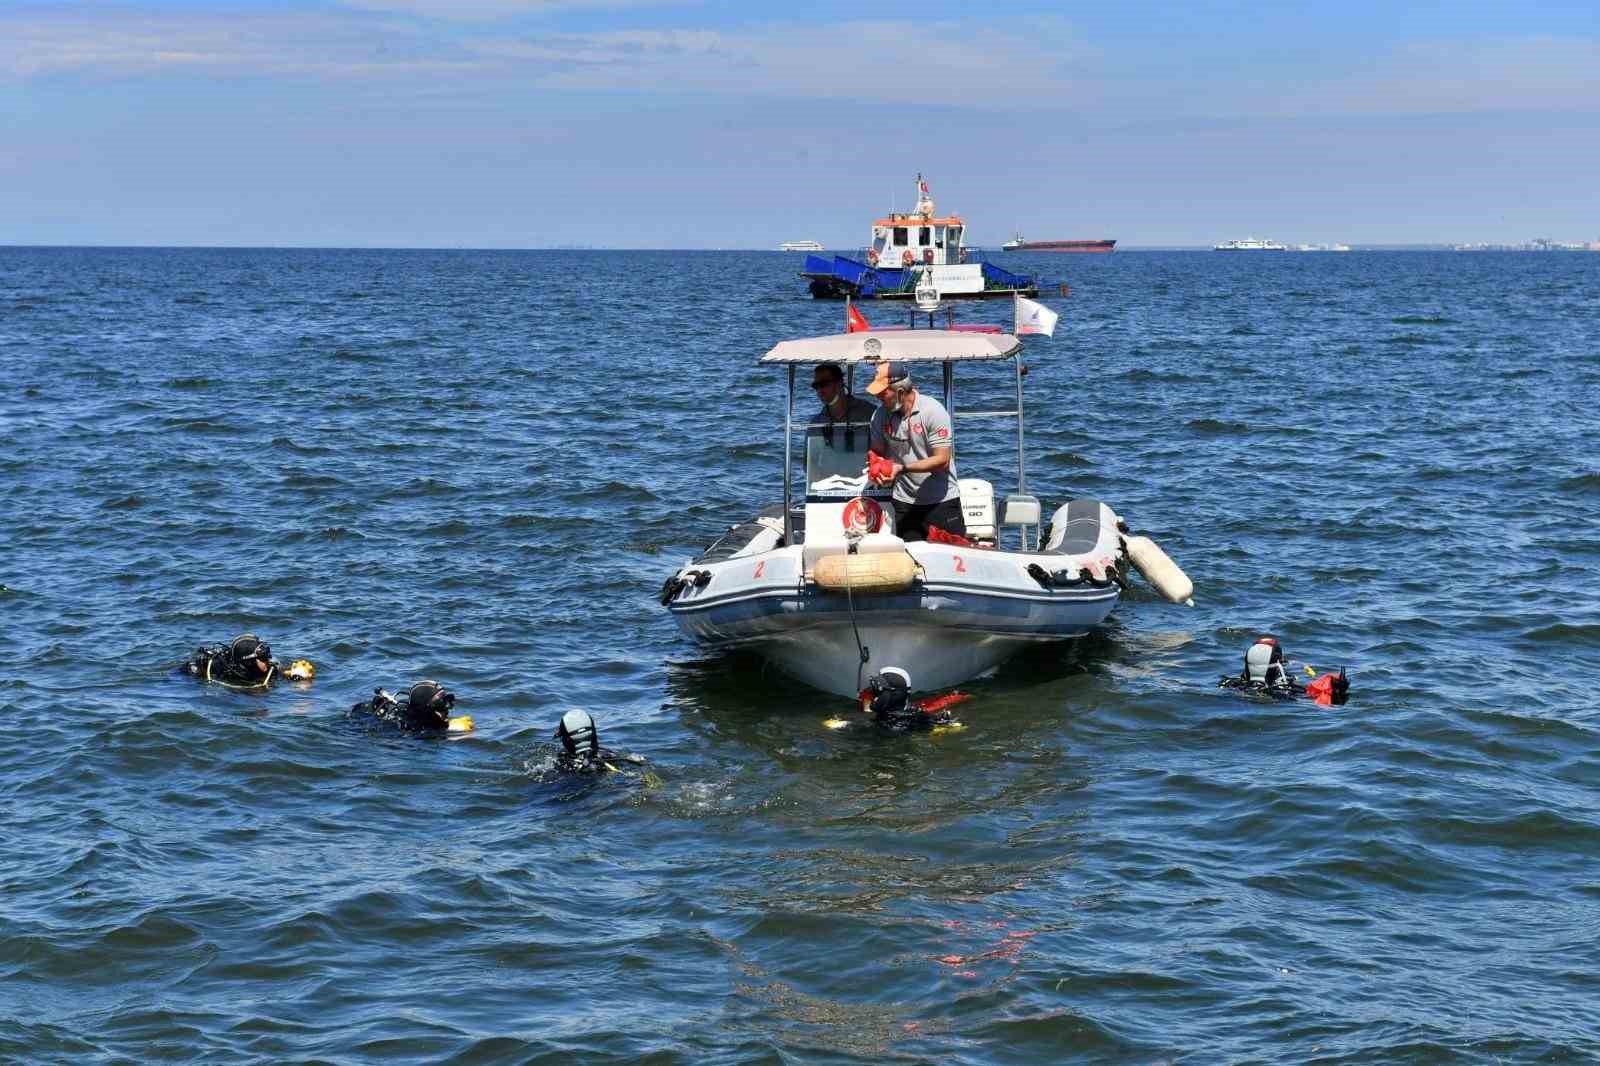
(1263, 664)
(579, 738)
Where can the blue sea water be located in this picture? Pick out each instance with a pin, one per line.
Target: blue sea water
(480, 466)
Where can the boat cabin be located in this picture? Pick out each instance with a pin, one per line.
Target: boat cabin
(919, 238)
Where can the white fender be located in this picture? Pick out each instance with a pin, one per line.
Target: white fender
(1159, 569)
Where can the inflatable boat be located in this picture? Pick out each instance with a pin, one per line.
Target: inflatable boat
(824, 588)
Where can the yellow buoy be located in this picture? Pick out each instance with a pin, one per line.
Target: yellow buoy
(462, 724)
(300, 670)
(880, 572)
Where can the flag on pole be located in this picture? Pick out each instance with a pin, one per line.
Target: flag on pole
(1033, 317)
(855, 321)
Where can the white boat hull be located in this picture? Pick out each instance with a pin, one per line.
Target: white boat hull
(969, 611)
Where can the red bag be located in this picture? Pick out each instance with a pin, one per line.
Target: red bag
(878, 467)
(1321, 690)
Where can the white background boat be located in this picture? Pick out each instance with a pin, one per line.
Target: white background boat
(800, 246)
(1250, 244)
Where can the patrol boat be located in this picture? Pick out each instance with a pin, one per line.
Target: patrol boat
(821, 585)
(904, 249)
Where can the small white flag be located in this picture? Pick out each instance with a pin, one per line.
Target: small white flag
(1033, 317)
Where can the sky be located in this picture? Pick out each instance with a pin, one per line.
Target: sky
(539, 123)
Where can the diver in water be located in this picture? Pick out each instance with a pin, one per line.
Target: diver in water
(1266, 673)
(581, 752)
(424, 709)
(887, 699)
(245, 662)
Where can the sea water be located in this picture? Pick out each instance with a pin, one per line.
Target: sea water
(480, 466)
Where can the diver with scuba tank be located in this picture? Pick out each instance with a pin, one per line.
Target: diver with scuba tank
(424, 709)
(1266, 674)
(244, 662)
(581, 752)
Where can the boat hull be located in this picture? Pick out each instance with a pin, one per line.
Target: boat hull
(972, 611)
(1061, 246)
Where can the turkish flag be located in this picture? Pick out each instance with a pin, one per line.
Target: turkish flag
(855, 321)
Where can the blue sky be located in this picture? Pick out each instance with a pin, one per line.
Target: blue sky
(520, 123)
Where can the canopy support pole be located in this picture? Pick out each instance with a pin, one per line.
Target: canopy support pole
(788, 435)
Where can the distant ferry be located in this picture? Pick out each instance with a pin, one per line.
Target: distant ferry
(1017, 244)
(1250, 244)
(799, 246)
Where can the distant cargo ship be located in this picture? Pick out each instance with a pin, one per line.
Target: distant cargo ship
(799, 246)
(1017, 244)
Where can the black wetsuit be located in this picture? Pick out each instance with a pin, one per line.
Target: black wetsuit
(217, 663)
(600, 761)
(399, 713)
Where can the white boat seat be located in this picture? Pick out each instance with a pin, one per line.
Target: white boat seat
(977, 508)
(1022, 511)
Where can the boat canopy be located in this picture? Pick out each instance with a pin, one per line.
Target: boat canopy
(911, 346)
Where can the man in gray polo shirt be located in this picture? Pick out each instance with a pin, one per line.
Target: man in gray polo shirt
(913, 431)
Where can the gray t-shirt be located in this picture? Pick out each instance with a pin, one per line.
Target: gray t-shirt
(915, 436)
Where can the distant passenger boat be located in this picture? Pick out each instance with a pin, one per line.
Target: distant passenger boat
(799, 246)
(1250, 244)
(1017, 244)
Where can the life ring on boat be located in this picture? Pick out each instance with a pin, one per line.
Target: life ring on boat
(862, 515)
(927, 256)
(906, 258)
(872, 257)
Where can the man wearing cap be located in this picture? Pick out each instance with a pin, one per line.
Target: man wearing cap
(839, 408)
(913, 431)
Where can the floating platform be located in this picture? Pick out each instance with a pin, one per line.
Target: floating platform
(838, 277)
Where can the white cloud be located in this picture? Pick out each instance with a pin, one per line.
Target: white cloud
(483, 10)
(1026, 64)
(1015, 65)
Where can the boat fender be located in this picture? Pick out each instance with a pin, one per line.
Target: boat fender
(1159, 570)
(701, 578)
(670, 588)
(1066, 579)
(881, 572)
(1039, 574)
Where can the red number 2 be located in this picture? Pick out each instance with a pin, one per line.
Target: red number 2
(961, 566)
(762, 565)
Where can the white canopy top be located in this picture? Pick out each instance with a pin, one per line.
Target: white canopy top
(909, 345)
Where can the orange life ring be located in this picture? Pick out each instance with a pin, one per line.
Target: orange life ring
(906, 258)
(862, 515)
(927, 256)
(872, 257)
